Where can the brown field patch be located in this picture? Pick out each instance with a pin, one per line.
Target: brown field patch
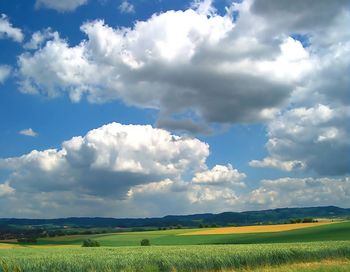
(255, 229)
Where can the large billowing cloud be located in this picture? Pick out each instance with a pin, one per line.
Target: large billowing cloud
(9, 31)
(61, 5)
(114, 167)
(136, 170)
(193, 61)
(197, 62)
(313, 132)
(107, 161)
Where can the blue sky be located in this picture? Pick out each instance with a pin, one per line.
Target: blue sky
(93, 92)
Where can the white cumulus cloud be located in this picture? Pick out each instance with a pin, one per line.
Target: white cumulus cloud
(300, 192)
(107, 161)
(218, 175)
(315, 138)
(39, 38)
(124, 170)
(192, 61)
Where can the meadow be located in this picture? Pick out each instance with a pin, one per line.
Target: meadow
(323, 247)
(320, 232)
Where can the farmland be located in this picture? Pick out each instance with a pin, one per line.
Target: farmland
(170, 258)
(255, 229)
(321, 232)
(298, 249)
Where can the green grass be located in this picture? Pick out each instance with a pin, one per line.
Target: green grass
(338, 265)
(171, 252)
(332, 232)
(169, 258)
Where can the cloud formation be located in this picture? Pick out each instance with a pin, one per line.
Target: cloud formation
(278, 163)
(62, 5)
(193, 61)
(300, 192)
(8, 31)
(39, 38)
(126, 7)
(5, 72)
(310, 14)
(28, 132)
(312, 132)
(199, 63)
(315, 138)
(186, 125)
(136, 170)
(117, 165)
(220, 175)
(107, 161)
(283, 65)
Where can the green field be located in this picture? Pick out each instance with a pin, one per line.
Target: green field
(331, 232)
(170, 258)
(293, 250)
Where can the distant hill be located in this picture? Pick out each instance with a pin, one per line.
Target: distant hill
(223, 219)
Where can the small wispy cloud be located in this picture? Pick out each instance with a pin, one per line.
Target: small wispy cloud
(5, 72)
(8, 31)
(61, 5)
(28, 132)
(126, 7)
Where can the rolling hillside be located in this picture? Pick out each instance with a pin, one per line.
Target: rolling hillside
(328, 232)
(222, 219)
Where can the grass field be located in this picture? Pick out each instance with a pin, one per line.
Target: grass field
(324, 247)
(171, 258)
(329, 232)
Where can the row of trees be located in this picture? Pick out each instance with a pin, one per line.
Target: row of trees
(300, 220)
(94, 243)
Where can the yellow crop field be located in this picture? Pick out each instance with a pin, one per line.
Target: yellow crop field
(255, 229)
(54, 246)
(7, 246)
